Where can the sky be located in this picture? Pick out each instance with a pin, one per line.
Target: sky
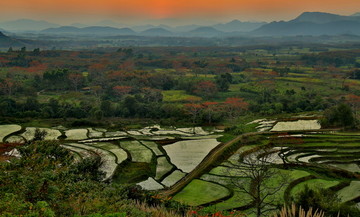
(168, 11)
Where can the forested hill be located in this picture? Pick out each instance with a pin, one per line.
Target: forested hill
(6, 41)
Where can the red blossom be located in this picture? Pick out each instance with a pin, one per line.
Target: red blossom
(122, 90)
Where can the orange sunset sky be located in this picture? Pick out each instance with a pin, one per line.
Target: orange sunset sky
(175, 10)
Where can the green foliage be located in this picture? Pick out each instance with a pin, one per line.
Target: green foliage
(88, 169)
(122, 214)
(330, 58)
(223, 81)
(326, 200)
(39, 135)
(11, 206)
(340, 115)
(46, 182)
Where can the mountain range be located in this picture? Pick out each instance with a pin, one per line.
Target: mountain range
(312, 23)
(308, 23)
(27, 25)
(33, 26)
(91, 30)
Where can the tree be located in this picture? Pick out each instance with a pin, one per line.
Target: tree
(267, 87)
(97, 91)
(75, 80)
(210, 108)
(206, 89)
(36, 52)
(127, 66)
(194, 110)
(57, 78)
(151, 95)
(354, 102)
(235, 106)
(39, 135)
(106, 108)
(121, 91)
(131, 104)
(265, 182)
(340, 115)
(162, 81)
(7, 86)
(223, 81)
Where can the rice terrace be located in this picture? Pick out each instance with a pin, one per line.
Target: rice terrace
(159, 108)
(309, 156)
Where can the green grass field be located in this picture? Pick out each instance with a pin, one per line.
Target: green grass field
(176, 96)
(200, 192)
(313, 184)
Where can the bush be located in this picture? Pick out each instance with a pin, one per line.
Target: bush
(340, 115)
(326, 200)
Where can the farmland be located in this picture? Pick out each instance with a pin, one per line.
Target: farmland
(313, 160)
(180, 127)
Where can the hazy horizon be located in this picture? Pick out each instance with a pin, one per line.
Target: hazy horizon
(181, 12)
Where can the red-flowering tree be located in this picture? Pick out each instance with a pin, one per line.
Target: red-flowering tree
(354, 102)
(7, 86)
(122, 90)
(210, 108)
(206, 89)
(151, 95)
(127, 66)
(193, 110)
(235, 106)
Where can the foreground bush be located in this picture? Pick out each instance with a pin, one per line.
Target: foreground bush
(293, 211)
(46, 182)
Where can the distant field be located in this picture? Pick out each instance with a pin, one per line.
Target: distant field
(175, 96)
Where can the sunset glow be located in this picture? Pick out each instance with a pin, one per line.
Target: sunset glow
(179, 9)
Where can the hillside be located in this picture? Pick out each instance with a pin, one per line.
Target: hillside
(322, 18)
(156, 32)
(237, 25)
(6, 41)
(27, 25)
(312, 23)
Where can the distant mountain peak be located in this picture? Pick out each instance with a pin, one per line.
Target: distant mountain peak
(234, 22)
(27, 25)
(205, 31)
(356, 14)
(322, 17)
(157, 31)
(312, 23)
(317, 17)
(238, 26)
